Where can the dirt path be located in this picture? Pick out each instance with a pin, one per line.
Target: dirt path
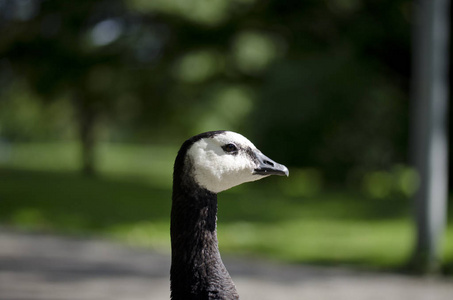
(35, 266)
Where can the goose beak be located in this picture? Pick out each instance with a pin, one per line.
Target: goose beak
(267, 166)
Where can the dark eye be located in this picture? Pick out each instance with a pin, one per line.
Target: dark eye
(230, 148)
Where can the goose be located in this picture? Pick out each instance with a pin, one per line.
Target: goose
(206, 165)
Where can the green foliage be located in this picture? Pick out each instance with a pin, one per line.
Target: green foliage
(24, 118)
(302, 183)
(401, 180)
(323, 84)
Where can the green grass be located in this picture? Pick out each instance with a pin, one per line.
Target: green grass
(40, 189)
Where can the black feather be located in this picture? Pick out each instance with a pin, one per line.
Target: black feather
(197, 271)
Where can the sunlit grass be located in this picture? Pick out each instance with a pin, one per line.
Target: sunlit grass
(40, 189)
(324, 241)
(151, 164)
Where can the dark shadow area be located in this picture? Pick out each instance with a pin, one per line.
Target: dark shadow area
(72, 202)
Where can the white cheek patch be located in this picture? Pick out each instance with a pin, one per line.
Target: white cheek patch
(216, 170)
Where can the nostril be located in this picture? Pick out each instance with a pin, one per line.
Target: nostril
(268, 163)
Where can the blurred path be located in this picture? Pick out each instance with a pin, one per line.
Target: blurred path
(35, 266)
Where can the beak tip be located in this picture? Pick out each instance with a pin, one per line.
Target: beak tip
(285, 171)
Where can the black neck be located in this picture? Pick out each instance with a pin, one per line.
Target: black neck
(197, 271)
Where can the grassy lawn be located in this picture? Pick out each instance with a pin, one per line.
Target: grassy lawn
(130, 200)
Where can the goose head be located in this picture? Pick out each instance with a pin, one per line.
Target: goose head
(224, 159)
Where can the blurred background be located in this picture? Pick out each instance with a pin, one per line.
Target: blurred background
(97, 96)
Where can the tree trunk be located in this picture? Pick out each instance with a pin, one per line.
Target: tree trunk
(429, 130)
(86, 123)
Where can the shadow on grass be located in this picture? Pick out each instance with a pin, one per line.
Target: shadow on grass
(70, 202)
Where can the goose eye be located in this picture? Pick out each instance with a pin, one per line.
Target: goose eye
(230, 148)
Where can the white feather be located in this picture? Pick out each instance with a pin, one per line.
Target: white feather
(216, 170)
